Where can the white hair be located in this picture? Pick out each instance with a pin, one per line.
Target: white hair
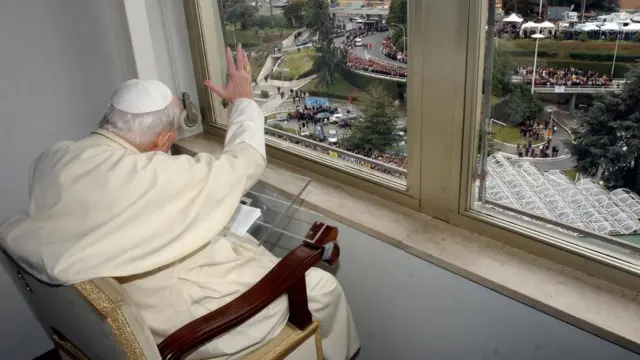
(140, 129)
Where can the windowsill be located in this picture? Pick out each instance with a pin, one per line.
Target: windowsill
(594, 305)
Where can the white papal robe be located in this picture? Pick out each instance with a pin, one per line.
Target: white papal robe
(100, 208)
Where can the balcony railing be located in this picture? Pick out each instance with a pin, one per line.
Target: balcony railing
(365, 165)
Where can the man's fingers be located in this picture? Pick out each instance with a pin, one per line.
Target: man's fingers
(239, 58)
(216, 89)
(230, 65)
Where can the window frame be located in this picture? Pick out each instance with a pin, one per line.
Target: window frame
(443, 193)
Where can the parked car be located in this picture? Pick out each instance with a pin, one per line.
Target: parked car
(358, 42)
(335, 118)
(332, 136)
(318, 134)
(323, 117)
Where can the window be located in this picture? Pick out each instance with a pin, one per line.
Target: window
(405, 117)
(553, 155)
(316, 64)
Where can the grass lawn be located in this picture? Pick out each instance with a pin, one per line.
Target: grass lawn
(341, 88)
(571, 174)
(270, 117)
(296, 63)
(509, 135)
(564, 47)
(251, 38)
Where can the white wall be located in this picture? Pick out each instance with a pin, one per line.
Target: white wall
(58, 67)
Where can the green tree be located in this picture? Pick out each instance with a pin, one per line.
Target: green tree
(519, 106)
(607, 137)
(375, 130)
(294, 13)
(398, 15)
(329, 56)
(503, 65)
(240, 11)
(398, 12)
(524, 7)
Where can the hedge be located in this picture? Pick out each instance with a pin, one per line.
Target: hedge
(360, 81)
(528, 53)
(593, 56)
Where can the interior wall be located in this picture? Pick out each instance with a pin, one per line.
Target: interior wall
(58, 68)
(407, 308)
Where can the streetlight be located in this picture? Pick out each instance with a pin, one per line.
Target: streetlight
(540, 10)
(615, 53)
(404, 36)
(537, 36)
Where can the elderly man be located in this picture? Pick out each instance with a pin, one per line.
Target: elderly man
(115, 204)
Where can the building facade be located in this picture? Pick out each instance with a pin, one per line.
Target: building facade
(629, 5)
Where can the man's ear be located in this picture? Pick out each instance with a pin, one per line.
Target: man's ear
(165, 140)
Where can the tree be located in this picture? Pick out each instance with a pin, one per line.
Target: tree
(503, 65)
(240, 11)
(375, 130)
(329, 56)
(524, 7)
(607, 138)
(520, 106)
(398, 12)
(294, 12)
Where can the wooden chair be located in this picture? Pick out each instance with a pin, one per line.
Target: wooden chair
(96, 319)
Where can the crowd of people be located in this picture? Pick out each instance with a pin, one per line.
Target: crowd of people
(308, 114)
(394, 160)
(549, 76)
(392, 53)
(350, 38)
(369, 65)
(535, 131)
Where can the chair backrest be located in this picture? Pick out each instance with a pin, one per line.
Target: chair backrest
(90, 320)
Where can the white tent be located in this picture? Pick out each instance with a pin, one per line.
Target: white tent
(589, 27)
(513, 18)
(635, 27)
(547, 25)
(537, 26)
(610, 27)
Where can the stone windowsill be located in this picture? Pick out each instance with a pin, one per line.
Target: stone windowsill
(596, 306)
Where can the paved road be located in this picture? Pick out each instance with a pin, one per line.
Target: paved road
(376, 40)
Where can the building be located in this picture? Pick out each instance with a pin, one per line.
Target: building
(629, 5)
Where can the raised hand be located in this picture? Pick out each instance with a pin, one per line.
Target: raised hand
(238, 78)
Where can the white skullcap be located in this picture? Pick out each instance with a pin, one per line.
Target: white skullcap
(142, 96)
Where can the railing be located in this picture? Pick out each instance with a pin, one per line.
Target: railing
(343, 156)
(390, 61)
(577, 89)
(379, 76)
(363, 4)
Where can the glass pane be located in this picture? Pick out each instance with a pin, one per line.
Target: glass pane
(316, 64)
(558, 137)
(277, 206)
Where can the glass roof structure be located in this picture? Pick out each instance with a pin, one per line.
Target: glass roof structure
(627, 200)
(585, 204)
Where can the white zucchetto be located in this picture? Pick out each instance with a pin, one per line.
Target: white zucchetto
(142, 96)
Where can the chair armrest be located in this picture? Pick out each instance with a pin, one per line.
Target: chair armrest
(288, 276)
